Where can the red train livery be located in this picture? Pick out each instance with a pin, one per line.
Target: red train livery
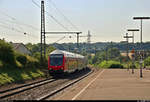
(60, 61)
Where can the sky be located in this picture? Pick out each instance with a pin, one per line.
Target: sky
(107, 20)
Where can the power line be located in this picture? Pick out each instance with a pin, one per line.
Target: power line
(63, 15)
(8, 15)
(52, 17)
(59, 39)
(11, 28)
(20, 23)
(14, 20)
(58, 22)
(16, 30)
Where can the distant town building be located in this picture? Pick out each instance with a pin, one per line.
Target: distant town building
(125, 54)
(20, 47)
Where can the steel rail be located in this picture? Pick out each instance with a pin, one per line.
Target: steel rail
(63, 87)
(19, 89)
(10, 89)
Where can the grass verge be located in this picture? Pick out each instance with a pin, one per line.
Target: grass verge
(16, 75)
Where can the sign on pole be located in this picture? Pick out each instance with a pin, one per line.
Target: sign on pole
(133, 51)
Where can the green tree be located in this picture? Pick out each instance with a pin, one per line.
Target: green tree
(29, 46)
(113, 53)
(49, 49)
(107, 54)
(147, 61)
(6, 52)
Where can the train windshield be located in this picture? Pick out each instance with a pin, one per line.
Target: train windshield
(56, 60)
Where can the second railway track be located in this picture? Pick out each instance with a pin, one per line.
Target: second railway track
(44, 87)
(64, 87)
(19, 89)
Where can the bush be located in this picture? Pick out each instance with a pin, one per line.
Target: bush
(1, 64)
(116, 65)
(6, 52)
(31, 62)
(103, 64)
(147, 61)
(18, 64)
(21, 58)
(37, 55)
(110, 64)
(26, 61)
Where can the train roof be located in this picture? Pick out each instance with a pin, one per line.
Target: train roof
(67, 54)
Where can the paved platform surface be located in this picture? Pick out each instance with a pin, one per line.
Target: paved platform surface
(110, 84)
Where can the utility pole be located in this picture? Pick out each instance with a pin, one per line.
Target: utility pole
(89, 40)
(106, 50)
(127, 40)
(43, 38)
(133, 56)
(111, 50)
(78, 41)
(42, 30)
(95, 50)
(141, 58)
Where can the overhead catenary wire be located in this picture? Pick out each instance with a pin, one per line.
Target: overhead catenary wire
(51, 17)
(23, 24)
(11, 28)
(6, 26)
(14, 20)
(59, 39)
(16, 30)
(63, 15)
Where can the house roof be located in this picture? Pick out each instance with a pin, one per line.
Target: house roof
(16, 45)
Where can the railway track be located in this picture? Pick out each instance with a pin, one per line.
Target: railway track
(19, 89)
(40, 88)
(64, 87)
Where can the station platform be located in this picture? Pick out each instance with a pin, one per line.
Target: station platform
(110, 84)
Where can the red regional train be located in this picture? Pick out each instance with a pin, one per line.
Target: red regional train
(60, 61)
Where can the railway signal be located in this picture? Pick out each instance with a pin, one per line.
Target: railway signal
(133, 57)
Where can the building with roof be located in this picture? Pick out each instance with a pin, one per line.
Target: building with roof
(125, 54)
(20, 47)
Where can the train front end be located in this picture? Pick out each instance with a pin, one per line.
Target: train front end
(56, 64)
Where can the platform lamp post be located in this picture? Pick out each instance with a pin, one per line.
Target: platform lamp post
(141, 59)
(133, 58)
